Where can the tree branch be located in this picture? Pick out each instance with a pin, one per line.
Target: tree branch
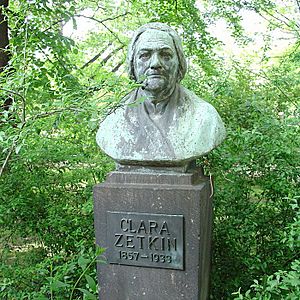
(288, 30)
(117, 67)
(285, 17)
(105, 59)
(87, 17)
(55, 56)
(53, 24)
(7, 159)
(53, 112)
(38, 116)
(94, 58)
(280, 20)
(13, 92)
(10, 152)
(103, 21)
(23, 102)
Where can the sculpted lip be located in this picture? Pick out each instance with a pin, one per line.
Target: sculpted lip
(153, 75)
(154, 72)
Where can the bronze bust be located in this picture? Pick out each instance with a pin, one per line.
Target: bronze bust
(169, 125)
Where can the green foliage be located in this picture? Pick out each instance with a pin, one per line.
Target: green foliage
(62, 87)
(57, 277)
(281, 284)
(256, 174)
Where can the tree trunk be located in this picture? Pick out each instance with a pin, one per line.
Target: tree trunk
(4, 41)
(4, 53)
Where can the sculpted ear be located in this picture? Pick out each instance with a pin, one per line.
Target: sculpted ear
(130, 69)
(133, 74)
(179, 75)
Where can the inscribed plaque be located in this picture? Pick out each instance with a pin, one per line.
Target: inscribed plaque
(147, 240)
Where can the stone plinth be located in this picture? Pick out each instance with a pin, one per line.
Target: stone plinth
(156, 227)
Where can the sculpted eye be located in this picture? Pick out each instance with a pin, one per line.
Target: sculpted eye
(166, 55)
(144, 55)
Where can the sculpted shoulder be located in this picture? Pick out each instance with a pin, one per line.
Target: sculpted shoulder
(199, 129)
(114, 133)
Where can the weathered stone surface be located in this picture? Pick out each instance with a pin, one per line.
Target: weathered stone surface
(153, 195)
(161, 123)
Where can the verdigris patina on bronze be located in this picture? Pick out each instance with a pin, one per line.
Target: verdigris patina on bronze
(169, 125)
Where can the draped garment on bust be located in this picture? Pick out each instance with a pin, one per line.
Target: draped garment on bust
(185, 128)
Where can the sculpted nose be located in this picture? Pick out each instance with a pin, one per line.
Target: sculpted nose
(155, 62)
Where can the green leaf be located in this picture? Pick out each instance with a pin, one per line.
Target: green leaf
(100, 250)
(41, 297)
(88, 295)
(57, 284)
(18, 148)
(2, 136)
(83, 262)
(91, 283)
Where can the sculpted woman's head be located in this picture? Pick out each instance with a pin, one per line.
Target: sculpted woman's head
(155, 57)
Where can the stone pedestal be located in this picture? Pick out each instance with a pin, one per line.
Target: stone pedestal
(156, 227)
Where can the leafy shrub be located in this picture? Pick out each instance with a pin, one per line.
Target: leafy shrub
(57, 277)
(281, 284)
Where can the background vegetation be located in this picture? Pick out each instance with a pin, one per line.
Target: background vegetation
(54, 91)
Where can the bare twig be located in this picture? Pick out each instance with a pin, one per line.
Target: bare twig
(46, 55)
(113, 33)
(103, 21)
(10, 152)
(13, 92)
(279, 19)
(53, 24)
(288, 29)
(95, 57)
(92, 60)
(7, 159)
(53, 112)
(211, 185)
(105, 59)
(285, 17)
(117, 67)
(55, 56)
(23, 102)
(83, 16)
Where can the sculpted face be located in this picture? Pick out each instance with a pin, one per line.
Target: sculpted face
(155, 61)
